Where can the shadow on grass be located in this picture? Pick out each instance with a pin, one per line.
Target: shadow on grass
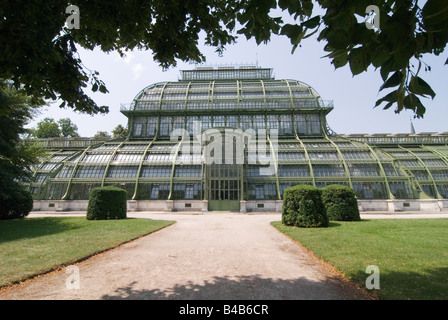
(16, 229)
(429, 284)
(243, 288)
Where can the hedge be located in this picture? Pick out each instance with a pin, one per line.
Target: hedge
(107, 203)
(340, 203)
(15, 203)
(303, 207)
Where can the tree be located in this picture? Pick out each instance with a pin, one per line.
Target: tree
(45, 61)
(68, 128)
(102, 134)
(120, 132)
(48, 128)
(17, 155)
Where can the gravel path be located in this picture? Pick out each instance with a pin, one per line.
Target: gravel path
(205, 256)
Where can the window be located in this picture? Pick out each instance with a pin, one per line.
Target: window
(138, 129)
(156, 171)
(65, 172)
(159, 157)
(363, 169)
(259, 192)
(128, 158)
(443, 190)
(40, 177)
(356, 155)
(259, 122)
(421, 175)
(160, 191)
(334, 170)
(272, 122)
(218, 121)
(369, 190)
(434, 163)
(270, 191)
(314, 123)
(286, 124)
(232, 121)
(391, 170)
(178, 123)
(155, 192)
(206, 122)
(151, 126)
(323, 156)
(293, 171)
(188, 171)
(191, 122)
(246, 122)
(90, 172)
(122, 171)
(440, 175)
(300, 123)
(290, 156)
(165, 126)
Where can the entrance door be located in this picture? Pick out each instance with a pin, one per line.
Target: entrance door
(224, 187)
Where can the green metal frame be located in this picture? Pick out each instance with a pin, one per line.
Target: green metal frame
(285, 92)
(438, 196)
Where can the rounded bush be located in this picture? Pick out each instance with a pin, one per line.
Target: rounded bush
(107, 203)
(340, 203)
(303, 207)
(15, 203)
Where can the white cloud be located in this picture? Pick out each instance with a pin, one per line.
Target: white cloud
(137, 70)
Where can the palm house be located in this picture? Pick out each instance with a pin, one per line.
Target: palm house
(234, 138)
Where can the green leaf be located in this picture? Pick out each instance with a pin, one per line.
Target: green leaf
(391, 97)
(387, 67)
(103, 89)
(393, 81)
(311, 23)
(338, 39)
(340, 58)
(358, 61)
(413, 103)
(379, 58)
(418, 86)
(292, 31)
(435, 12)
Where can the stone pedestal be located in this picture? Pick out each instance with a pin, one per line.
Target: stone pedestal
(169, 205)
(243, 208)
(204, 205)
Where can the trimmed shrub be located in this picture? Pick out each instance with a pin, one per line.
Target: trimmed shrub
(107, 203)
(340, 203)
(16, 203)
(303, 207)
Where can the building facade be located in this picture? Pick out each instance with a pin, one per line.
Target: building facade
(234, 139)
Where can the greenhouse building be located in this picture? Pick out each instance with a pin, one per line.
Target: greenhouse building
(234, 138)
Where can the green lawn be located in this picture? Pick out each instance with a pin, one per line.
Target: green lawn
(412, 255)
(35, 245)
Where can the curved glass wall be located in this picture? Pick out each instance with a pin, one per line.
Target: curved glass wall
(231, 134)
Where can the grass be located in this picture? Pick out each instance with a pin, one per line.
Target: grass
(33, 246)
(411, 254)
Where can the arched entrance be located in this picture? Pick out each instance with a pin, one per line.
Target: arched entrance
(224, 158)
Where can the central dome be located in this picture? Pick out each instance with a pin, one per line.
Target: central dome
(245, 88)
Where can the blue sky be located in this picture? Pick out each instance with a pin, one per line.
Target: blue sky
(354, 97)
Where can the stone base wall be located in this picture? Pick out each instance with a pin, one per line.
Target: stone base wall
(246, 206)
